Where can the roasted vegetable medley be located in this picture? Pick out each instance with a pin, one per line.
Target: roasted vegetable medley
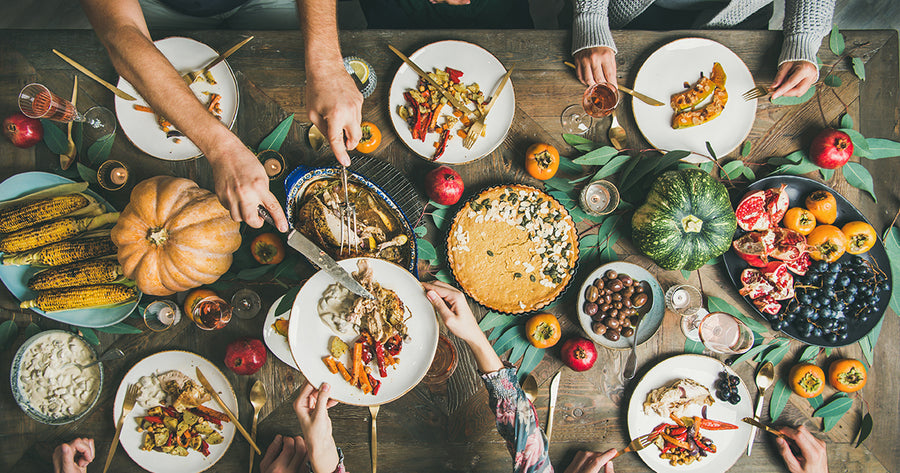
(681, 443)
(173, 432)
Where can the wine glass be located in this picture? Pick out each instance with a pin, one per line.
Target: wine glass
(161, 315)
(686, 301)
(724, 333)
(211, 313)
(599, 100)
(37, 101)
(245, 304)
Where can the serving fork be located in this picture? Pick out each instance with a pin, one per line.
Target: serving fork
(476, 129)
(127, 405)
(755, 93)
(348, 217)
(638, 443)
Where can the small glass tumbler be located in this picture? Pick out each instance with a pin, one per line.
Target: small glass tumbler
(724, 333)
(211, 313)
(599, 197)
(245, 304)
(161, 315)
(444, 363)
(686, 301)
(112, 175)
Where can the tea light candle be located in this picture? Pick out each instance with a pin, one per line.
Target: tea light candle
(118, 176)
(680, 299)
(273, 167)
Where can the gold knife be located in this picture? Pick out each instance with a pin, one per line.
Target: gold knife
(431, 81)
(637, 95)
(215, 395)
(192, 76)
(119, 92)
(554, 391)
(765, 427)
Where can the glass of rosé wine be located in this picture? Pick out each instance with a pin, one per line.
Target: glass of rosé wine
(599, 100)
(37, 101)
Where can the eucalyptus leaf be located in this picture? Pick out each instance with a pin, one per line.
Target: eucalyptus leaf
(882, 148)
(832, 412)
(437, 205)
(608, 226)
(749, 174)
(612, 167)
(809, 354)
(712, 152)
(733, 169)
(275, 139)
(836, 41)
(745, 149)
(691, 346)
(777, 354)
(588, 240)
(795, 100)
(426, 249)
(608, 255)
(575, 139)
(78, 137)
(846, 121)
(518, 350)
(250, 274)
(892, 248)
(120, 327)
(495, 319)
(580, 179)
(88, 334)
(532, 358)
(439, 216)
(719, 305)
(585, 147)
(805, 166)
(506, 341)
(859, 68)
(794, 158)
(870, 340)
(858, 176)
(816, 402)
(8, 332)
(31, 330)
(832, 80)
(54, 137)
(597, 157)
(566, 165)
(560, 183)
(707, 166)
(826, 173)
(632, 163)
(671, 158)
(100, 149)
(564, 199)
(420, 231)
(648, 165)
(444, 276)
(865, 428)
(827, 352)
(749, 354)
(287, 302)
(686, 274)
(780, 395)
(87, 174)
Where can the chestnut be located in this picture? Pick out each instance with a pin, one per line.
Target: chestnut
(611, 274)
(612, 335)
(591, 294)
(590, 308)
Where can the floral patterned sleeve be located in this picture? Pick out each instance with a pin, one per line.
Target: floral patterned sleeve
(517, 422)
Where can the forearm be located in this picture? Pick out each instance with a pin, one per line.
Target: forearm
(517, 423)
(485, 357)
(590, 25)
(323, 457)
(806, 22)
(318, 21)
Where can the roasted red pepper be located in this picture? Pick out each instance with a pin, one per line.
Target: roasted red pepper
(442, 144)
(170, 411)
(379, 358)
(153, 419)
(454, 74)
(709, 448)
(366, 352)
(204, 448)
(374, 383)
(394, 344)
(676, 442)
(207, 417)
(710, 424)
(678, 432)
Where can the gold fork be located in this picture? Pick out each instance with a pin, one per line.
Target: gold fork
(348, 218)
(637, 444)
(755, 93)
(373, 412)
(127, 406)
(476, 129)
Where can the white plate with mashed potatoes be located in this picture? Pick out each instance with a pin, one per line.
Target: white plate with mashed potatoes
(158, 364)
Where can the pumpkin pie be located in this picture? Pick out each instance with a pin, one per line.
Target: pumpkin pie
(513, 248)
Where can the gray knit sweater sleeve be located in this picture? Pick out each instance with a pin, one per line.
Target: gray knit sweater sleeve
(590, 25)
(806, 22)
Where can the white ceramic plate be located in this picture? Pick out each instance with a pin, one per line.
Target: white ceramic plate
(652, 313)
(664, 74)
(16, 277)
(309, 336)
(131, 439)
(477, 65)
(275, 341)
(730, 444)
(186, 55)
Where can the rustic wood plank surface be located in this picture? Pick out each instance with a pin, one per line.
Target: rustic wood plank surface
(451, 429)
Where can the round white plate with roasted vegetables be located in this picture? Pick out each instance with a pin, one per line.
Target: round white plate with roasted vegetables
(478, 67)
(324, 311)
(275, 340)
(148, 131)
(158, 461)
(693, 370)
(17, 276)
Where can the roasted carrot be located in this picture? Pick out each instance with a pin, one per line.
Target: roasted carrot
(357, 369)
(213, 102)
(329, 362)
(389, 359)
(143, 108)
(434, 116)
(364, 381)
(343, 371)
(461, 133)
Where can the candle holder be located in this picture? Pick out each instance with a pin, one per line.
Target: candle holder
(363, 74)
(161, 315)
(112, 175)
(273, 163)
(687, 301)
(599, 197)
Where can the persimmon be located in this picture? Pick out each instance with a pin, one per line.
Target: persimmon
(807, 380)
(541, 161)
(826, 243)
(542, 330)
(267, 248)
(861, 237)
(196, 296)
(823, 205)
(800, 220)
(847, 375)
(371, 138)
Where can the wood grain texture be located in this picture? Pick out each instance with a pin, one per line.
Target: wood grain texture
(450, 428)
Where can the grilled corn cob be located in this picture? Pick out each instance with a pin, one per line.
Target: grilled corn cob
(96, 271)
(52, 232)
(81, 297)
(65, 252)
(37, 211)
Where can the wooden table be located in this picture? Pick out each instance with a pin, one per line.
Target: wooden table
(452, 429)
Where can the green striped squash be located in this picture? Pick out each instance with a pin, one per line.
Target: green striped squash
(686, 221)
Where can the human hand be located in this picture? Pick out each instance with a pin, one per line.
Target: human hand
(284, 455)
(311, 407)
(592, 462)
(812, 456)
(453, 308)
(335, 107)
(596, 65)
(73, 457)
(794, 78)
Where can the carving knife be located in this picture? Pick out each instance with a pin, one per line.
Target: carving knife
(554, 391)
(320, 259)
(212, 392)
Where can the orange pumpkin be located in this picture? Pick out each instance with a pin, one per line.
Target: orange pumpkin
(174, 236)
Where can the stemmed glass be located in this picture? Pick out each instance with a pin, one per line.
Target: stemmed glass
(686, 301)
(724, 333)
(37, 101)
(599, 100)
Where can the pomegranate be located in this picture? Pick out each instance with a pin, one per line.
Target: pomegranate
(755, 284)
(777, 203)
(24, 132)
(579, 353)
(752, 213)
(800, 265)
(777, 273)
(245, 355)
(444, 185)
(789, 245)
(831, 149)
(767, 304)
(752, 248)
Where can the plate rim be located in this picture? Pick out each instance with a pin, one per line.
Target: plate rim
(509, 85)
(271, 315)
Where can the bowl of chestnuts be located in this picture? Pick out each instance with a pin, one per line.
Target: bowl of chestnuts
(618, 301)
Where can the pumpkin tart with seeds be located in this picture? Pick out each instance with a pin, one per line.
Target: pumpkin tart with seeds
(513, 248)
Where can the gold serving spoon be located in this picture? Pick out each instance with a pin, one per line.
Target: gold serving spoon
(617, 136)
(530, 387)
(258, 400)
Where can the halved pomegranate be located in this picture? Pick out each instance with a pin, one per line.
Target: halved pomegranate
(777, 203)
(789, 245)
(751, 247)
(800, 265)
(777, 273)
(755, 284)
(752, 212)
(767, 304)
